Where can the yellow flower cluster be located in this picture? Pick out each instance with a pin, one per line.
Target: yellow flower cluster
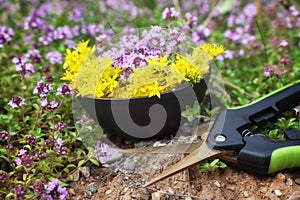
(97, 79)
(150, 81)
(213, 49)
(90, 76)
(75, 59)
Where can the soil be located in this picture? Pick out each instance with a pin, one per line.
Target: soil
(228, 183)
(116, 183)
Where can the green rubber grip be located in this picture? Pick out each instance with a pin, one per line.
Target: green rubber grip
(285, 157)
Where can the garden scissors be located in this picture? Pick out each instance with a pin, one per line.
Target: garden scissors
(231, 141)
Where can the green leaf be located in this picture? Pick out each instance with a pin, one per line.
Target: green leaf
(95, 162)
(81, 162)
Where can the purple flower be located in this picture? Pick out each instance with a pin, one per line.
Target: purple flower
(54, 57)
(49, 78)
(200, 34)
(38, 187)
(10, 147)
(269, 70)
(22, 152)
(4, 135)
(46, 69)
(102, 152)
(5, 35)
(76, 15)
(34, 55)
(42, 88)
(65, 89)
(58, 147)
(16, 102)
(39, 155)
(170, 13)
(34, 23)
(49, 105)
(30, 139)
(25, 160)
(3, 176)
(284, 60)
(20, 192)
(60, 126)
(250, 10)
(192, 20)
(70, 44)
(284, 43)
(55, 191)
(23, 66)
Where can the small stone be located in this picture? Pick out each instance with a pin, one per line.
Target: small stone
(280, 177)
(74, 176)
(216, 183)
(85, 171)
(88, 194)
(263, 190)
(92, 187)
(156, 196)
(72, 192)
(289, 182)
(115, 155)
(171, 191)
(108, 192)
(278, 193)
(159, 144)
(231, 188)
(188, 198)
(246, 194)
(129, 164)
(297, 181)
(295, 196)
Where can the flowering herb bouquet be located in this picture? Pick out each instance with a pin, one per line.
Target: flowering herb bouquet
(139, 65)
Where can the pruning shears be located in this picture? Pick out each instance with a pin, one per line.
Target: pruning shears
(231, 140)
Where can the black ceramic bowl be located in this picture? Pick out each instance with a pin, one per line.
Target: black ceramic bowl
(144, 117)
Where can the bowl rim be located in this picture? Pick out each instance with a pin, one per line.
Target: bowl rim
(145, 97)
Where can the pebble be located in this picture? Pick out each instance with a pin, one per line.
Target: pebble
(297, 181)
(108, 192)
(171, 191)
(115, 155)
(278, 193)
(72, 192)
(92, 187)
(263, 190)
(129, 164)
(156, 196)
(280, 177)
(295, 196)
(88, 194)
(85, 171)
(159, 144)
(188, 198)
(216, 183)
(289, 182)
(246, 194)
(74, 176)
(231, 188)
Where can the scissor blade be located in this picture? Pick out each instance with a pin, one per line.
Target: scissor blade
(170, 149)
(200, 154)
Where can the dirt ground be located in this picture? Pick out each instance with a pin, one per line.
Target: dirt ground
(116, 183)
(228, 183)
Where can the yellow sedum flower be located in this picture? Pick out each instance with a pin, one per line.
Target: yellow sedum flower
(149, 90)
(213, 49)
(186, 69)
(74, 60)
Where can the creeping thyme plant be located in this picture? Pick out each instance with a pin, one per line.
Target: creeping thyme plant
(46, 56)
(146, 66)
